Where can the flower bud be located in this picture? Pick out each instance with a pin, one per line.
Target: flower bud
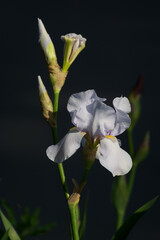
(74, 44)
(46, 44)
(134, 98)
(119, 194)
(46, 104)
(143, 150)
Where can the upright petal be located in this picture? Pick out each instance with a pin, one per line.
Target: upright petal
(114, 158)
(81, 108)
(103, 119)
(78, 100)
(123, 121)
(66, 147)
(122, 103)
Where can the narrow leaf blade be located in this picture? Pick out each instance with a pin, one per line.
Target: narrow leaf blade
(124, 230)
(5, 236)
(8, 227)
(9, 211)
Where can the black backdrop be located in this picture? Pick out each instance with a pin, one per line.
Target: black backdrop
(123, 41)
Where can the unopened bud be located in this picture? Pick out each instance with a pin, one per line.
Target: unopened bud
(74, 44)
(134, 98)
(46, 104)
(46, 44)
(119, 194)
(143, 150)
(138, 88)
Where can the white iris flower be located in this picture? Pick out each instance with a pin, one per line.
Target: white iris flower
(101, 123)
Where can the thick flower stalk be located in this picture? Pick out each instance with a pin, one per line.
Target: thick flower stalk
(98, 124)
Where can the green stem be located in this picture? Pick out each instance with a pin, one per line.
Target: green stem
(55, 140)
(120, 213)
(120, 218)
(72, 211)
(133, 170)
(85, 175)
(130, 142)
(131, 181)
(72, 208)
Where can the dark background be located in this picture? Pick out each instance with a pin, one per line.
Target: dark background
(123, 41)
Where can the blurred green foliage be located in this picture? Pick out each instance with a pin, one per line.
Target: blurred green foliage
(27, 225)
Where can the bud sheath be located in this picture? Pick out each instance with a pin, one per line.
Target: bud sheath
(46, 104)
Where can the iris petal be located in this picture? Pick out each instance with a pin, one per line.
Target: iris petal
(114, 158)
(82, 99)
(122, 103)
(103, 119)
(66, 147)
(123, 121)
(90, 114)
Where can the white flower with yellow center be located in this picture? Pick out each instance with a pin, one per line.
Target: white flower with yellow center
(101, 123)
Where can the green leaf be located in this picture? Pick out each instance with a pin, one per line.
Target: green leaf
(8, 226)
(143, 150)
(9, 211)
(43, 229)
(124, 230)
(29, 224)
(25, 216)
(6, 235)
(34, 218)
(2, 233)
(82, 226)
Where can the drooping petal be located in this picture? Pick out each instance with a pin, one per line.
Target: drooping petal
(114, 158)
(123, 121)
(66, 147)
(122, 103)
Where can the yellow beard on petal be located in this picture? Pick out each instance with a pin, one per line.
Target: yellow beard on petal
(73, 128)
(111, 138)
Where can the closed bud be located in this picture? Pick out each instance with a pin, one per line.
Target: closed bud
(46, 44)
(119, 194)
(138, 88)
(134, 98)
(74, 44)
(46, 104)
(143, 150)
